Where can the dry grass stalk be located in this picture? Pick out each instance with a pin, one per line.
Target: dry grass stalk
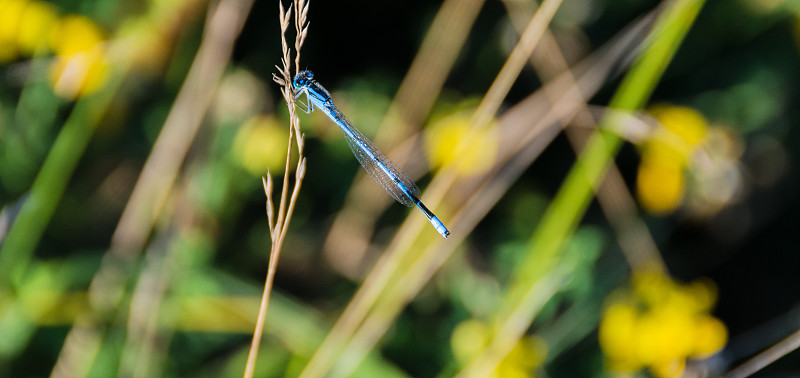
(279, 225)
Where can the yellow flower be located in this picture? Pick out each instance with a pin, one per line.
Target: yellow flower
(80, 67)
(685, 123)
(659, 324)
(37, 20)
(10, 20)
(616, 335)
(660, 183)
(74, 34)
(711, 336)
(451, 141)
(260, 144)
(661, 335)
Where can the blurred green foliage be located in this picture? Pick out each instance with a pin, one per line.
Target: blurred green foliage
(78, 123)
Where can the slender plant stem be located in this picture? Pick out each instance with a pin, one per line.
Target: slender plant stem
(766, 357)
(280, 227)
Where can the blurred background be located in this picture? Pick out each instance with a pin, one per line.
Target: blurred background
(135, 241)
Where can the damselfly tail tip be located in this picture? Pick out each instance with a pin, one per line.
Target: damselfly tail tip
(439, 226)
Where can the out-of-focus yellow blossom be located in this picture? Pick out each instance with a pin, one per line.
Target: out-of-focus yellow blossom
(80, 67)
(260, 144)
(616, 332)
(470, 337)
(451, 141)
(37, 20)
(659, 324)
(660, 184)
(28, 27)
(687, 162)
(10, 20)
(74, 34)
(711, 335)
(683, 129)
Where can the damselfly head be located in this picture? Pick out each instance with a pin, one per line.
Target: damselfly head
(303, 78)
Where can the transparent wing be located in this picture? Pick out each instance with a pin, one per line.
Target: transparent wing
(379, 167)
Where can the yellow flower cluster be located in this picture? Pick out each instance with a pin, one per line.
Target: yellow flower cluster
(660, 183)
(31, 28)
(658, 324)
(472, 336)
